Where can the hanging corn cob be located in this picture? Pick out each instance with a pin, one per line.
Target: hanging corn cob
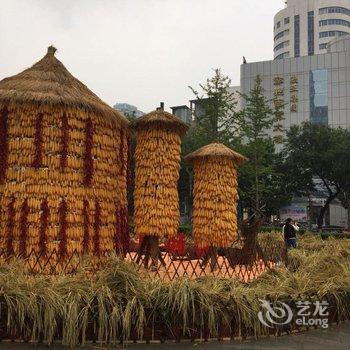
(157, 165)
(63, 171)
(215, 195)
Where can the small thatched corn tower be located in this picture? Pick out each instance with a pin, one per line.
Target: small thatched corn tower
(63, 165)
(157, 165)
(215, 195)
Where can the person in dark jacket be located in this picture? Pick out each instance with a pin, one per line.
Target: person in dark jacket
(290, 234)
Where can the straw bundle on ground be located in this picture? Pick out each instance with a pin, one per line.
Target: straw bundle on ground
(157, 165)
(215, 195)
(63, 164)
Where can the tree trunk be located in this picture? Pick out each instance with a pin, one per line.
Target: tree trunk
(324, 209)
(257, 196)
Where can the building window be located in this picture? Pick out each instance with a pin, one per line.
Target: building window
(343, 10)
(318, 80)
(333, 21)
(332, 33)
(278, 24)
(297, 36)
(286, 20)
(282, 55)
(282, 34)
(281, 45)
(323, 46)
(311, 33)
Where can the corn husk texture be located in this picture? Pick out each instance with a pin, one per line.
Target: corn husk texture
(157, 165)
(64, 179)
(215, 199)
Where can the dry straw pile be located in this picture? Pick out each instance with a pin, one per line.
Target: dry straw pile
(63, 164)
(157, 163)
(215, 195)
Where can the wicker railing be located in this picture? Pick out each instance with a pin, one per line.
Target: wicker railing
(228, 263)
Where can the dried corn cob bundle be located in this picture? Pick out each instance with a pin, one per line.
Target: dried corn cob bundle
(215, 195)
(157, 163)
(63, 165)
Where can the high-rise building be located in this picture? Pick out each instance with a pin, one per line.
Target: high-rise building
(128, 110)
(305, 27)
(312, 88)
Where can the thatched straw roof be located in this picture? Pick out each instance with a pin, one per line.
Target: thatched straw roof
(159, 116)
(48, 82)
(216, 150)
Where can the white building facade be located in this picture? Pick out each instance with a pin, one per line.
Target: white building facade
(305, 27)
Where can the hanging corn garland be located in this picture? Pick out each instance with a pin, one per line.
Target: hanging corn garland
(63, 164)
(215, 195)
(157, 165)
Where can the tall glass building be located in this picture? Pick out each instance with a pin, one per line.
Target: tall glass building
(305, 27)
(313, 88)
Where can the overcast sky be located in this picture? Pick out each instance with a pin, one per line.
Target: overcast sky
(138, 51)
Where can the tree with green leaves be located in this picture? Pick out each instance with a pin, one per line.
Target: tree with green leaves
(320, 152)
(256, 118)
(217, 123)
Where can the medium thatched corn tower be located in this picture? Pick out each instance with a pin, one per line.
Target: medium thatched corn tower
(63, 165)
(215, 195)
(157, 165)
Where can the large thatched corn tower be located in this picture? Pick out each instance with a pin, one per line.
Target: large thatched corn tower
(63, 160)
(215, 195)
(157, 165)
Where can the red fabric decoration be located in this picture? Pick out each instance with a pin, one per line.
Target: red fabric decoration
(44, 222)
(64, 142)
(177, 245)
(62, 235)
(38, 142)
(200, 252)
(88, 160)
(10, 227)
(23, 229)
(3, 143)
(86, 226)
(97, 223)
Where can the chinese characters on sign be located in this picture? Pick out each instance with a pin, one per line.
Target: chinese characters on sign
(278, 101)
(294, 94)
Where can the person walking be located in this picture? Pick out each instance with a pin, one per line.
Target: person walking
(290, 234)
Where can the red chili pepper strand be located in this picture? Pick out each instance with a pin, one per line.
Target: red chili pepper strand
(23, 229)
(3, 143)
(44, 222)
(88, 160)
(86, 219)
(38, 141)
(129, 180)
(64, 142)
(97, 223)
(62, 213)
(11, 212)
(125, 230)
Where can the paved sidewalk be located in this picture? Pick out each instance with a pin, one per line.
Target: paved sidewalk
(335, 338)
